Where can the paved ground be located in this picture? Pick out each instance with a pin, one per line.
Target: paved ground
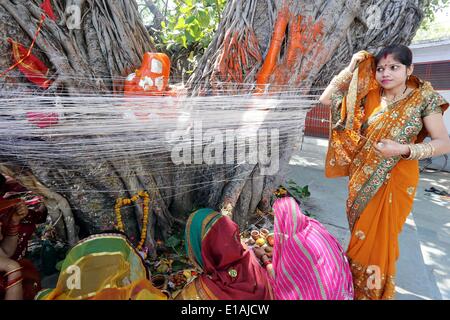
(424, 264)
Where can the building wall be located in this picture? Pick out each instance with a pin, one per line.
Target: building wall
(428, 52)
(446, 95)
(432, 62)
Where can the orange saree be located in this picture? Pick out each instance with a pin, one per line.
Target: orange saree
(381, 190)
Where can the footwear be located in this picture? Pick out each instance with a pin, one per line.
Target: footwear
(437, 191)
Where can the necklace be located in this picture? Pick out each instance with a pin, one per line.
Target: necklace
(390, 101)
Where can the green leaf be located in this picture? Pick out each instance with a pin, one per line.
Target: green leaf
(203, 19)
(190, 20)
(184, 41)
(178, 265)
(181, 24)
(305, 191)
(195, 32)
(173, 242)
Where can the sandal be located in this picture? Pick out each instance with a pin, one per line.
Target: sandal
(437, 191)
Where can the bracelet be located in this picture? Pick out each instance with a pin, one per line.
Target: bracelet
(11, 281)
(13, 230)
(420, 151)
(12, 271)
(9, 234)
(14, 283)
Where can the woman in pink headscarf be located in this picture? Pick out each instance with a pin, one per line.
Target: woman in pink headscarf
(308, 262)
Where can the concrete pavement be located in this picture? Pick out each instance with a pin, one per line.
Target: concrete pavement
(423, 270)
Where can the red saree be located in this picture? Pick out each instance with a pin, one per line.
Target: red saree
(228, 270)
(31, 279)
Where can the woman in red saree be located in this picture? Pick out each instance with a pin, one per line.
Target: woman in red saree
(18, 277)
(228, 270)
(380, 115)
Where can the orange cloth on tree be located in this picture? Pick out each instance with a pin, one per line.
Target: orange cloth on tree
(152, 78)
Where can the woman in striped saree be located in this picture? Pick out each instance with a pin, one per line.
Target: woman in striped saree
(308, 262)
(380, 115)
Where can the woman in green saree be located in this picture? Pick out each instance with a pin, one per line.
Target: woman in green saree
(103, 267)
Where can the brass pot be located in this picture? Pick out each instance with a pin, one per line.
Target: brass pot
(255, 235)
(264, 232)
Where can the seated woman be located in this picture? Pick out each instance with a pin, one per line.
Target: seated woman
(18, 277)
(103, 267)
(10, 270)
(228, 270)
(308, 262)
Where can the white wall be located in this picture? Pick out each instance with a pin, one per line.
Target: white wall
(428, 52)
(434, 51)
(446, 95)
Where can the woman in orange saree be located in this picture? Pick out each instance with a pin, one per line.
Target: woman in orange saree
(377, 142)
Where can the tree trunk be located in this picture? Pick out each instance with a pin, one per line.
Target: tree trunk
(84, 57)
(316, 39)
(265, 46)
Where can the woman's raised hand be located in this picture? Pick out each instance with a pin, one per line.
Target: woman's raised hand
(20, 213)
(356, 59)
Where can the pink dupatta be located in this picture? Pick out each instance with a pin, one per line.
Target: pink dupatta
(309, 263)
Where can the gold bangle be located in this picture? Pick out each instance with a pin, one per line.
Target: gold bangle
(12, 271)
(433, 150)
(427, 151)
(409, 156)
(14, 284)
(420, 151)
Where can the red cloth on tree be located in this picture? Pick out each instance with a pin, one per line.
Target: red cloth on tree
(42, 119)
(48, 9)
(33, 68)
